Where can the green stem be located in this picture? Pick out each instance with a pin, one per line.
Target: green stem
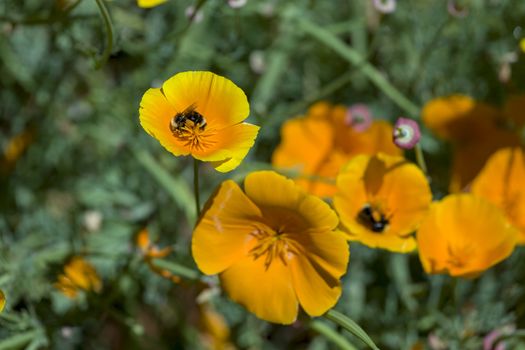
(176, 187)
(196, 186)
(353, 56)
(420, 158)
(109, 34)
(330, 334)
(352, 327)
(324, 91)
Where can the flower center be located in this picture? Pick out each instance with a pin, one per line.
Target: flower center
(189, 126)
(372, 218)
(271, 244)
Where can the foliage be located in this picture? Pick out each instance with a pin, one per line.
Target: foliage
(87, 178)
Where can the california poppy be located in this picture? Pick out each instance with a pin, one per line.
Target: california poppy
(501, 181)
(319, 144)
(274, 247)
(381, 200)
(200, 114)
(474, 131)
(463, 235)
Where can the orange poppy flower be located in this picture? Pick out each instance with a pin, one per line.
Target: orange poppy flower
(200, 114)
(274, 247)
(320, 143)
(150, 251)
(502, 182)
(78, 275)
(458, 117)
(381, 200)
(150, 3)
(473, 129)
(458, 236)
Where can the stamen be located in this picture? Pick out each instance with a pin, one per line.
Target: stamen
(271, 244)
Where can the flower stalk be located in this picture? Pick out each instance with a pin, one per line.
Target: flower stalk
(196, 187)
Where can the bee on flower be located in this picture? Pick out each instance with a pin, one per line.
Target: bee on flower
(381, 201)
(200, 114)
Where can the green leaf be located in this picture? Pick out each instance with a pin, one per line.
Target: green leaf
(352, 327)
(332, 335)
(19, 340)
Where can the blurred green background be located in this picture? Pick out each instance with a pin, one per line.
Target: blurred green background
(88, 178)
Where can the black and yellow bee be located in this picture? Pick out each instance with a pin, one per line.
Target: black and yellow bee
(372, 219)
(178, 123)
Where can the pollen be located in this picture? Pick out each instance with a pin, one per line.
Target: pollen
(271, 244)
(194, 137)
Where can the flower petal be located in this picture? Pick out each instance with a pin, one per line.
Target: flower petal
(155, 116)
(222, 236)
(218, 99)
(501, 182)
(268, 293)
(317, 269)
(150, 3)
(230, 146)
(284, 192)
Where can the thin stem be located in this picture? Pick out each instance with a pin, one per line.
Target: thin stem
(420, 158)
(353, 56)
(196, 186)
(109, 34)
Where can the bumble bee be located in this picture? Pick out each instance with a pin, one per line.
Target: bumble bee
(370, 219)
(178, 122)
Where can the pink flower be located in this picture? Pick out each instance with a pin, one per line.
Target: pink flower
(489, 342)
(406, 133)
(358, 117)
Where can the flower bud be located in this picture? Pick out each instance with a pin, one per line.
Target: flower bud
(406, 133)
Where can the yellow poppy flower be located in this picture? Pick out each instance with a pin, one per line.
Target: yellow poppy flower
(274, 247)
(463, 235)
(78, 275)
(319, 144)
(2, 300)
(502, 182)
(200, 114)
(150, 251)
(381, 200)
(150, 3)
